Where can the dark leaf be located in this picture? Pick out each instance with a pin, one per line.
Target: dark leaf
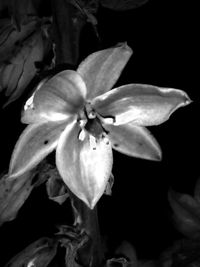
(127, 251)
(56, 188)
(121, 262)
(186, 214)
(19, 51)
(74, 242)
(184, 253)
(122, 5)
(13, 193)
(108, 190)
(39, 254)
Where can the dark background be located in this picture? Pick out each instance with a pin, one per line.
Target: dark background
(163, 35)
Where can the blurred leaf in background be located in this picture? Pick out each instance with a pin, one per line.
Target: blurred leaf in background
(13, 193)
(122, 5)
(20, 52)
(187, 212)
(39, 254)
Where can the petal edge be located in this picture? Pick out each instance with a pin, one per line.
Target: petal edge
(134, 141)
(102, 69)
(33, 145)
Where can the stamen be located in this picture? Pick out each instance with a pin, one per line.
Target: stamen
(82, 123)
(92, 115)
(29, 103)
(105, 139)
(93, 142)
(82, 135)
(31, 263)
(108, 120)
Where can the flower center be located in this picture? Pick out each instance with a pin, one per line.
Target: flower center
(90, 122)
(94, 127)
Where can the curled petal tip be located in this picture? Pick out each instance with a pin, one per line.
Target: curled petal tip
(125, 46)
(125, 49)
(188, 100)
(158, 156)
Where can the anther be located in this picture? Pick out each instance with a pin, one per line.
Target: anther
(82, 135)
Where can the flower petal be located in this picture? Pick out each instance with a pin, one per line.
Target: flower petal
(145, 105)
(135, 141)
(101, 70)
(34, 144)
(85, 165)
(56, 98)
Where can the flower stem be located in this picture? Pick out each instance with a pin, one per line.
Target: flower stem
(87, 220)
(67, 26)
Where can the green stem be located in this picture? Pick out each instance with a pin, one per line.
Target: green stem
(87, 220)
(67, 26)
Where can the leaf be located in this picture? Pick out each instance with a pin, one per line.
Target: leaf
(101, 69)
(56, 188)
(144, 105)
(108, 190)
(186, 214)
(39, 254)
(115, 262)
(31, 52)
(183, 253)
(13, 193)
(122, 5)
(127, 250)
(11, 39)
(21, 10)
(19, 53)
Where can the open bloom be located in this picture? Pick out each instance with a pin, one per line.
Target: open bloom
(75, 113)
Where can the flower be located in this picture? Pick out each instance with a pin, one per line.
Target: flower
(75, 113)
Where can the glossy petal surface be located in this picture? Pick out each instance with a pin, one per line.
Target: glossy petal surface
(34, 144)
(85, 165)
(101, 70)
(56, 99)
(135, 141)
(145, 105)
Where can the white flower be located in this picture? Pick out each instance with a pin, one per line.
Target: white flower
(75, 113)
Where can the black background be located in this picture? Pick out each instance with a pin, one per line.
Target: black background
(164, 38)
